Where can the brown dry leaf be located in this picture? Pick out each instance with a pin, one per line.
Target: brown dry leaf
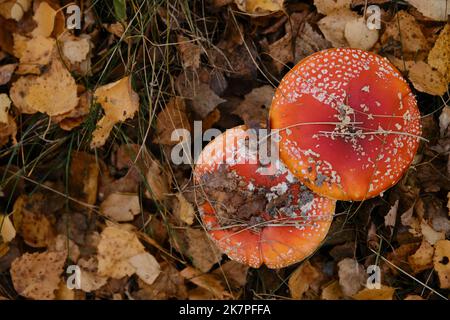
(7, 230)
(53, 92)
(260, 7)
(308, 41)
(439, 56)
(83, 174)
(441, 262)
(431, 235)
(6, 72)
(157, 183)
(45, 20)
(351, 276)
(333, 26)
(37, 275)
(384, 293)
(7, 131)
(205, 100)
(34, 226)
(147, 268)
(404, 29)
(234, 273)
(169, 284)
(328, 6)
(63, 292)
(115, 249)
(14, 9)
(206, 281)
(33, 53)
(358, 35)
(202, 250)
(437, 9)
(426, 79)
(183, 209)
(422, 259)
(5, 104)
(190, 52)
(72, 119)
(301, 279)
(332, 292)
(119, 102)
(255, 107)
(171, 118)
(120, 207)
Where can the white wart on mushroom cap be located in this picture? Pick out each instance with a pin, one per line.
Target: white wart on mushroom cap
(349, 123)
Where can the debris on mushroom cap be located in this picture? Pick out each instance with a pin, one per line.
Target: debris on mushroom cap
(349, 124)
(257, 216)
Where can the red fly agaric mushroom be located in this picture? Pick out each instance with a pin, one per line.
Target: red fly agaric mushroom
(349, 125)
(257, 216)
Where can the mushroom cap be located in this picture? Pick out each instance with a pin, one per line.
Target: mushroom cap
(348, 122)
(279, 239)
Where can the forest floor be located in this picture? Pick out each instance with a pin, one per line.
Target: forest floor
(86, 118)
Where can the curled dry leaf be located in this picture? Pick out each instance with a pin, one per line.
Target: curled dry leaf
(333, 26)
(53, 92)
(6, 72)
(426, 79)
(442, 263)
(256, 104)
(120, 207)
(439, 56)
(14, 9)
(7, 230)
(437, 9)
(206, 281)
(37, 275)
(72, 119)
(351, 276)
(422, 259)
(384, 293)
(301, 279)
(328, 6)
(259, 7)
(183, 209)
(358, 35)
(119, 102)
(404, 29)
(172, 117)
(44, 16)
(33, 53)
(115, 249)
